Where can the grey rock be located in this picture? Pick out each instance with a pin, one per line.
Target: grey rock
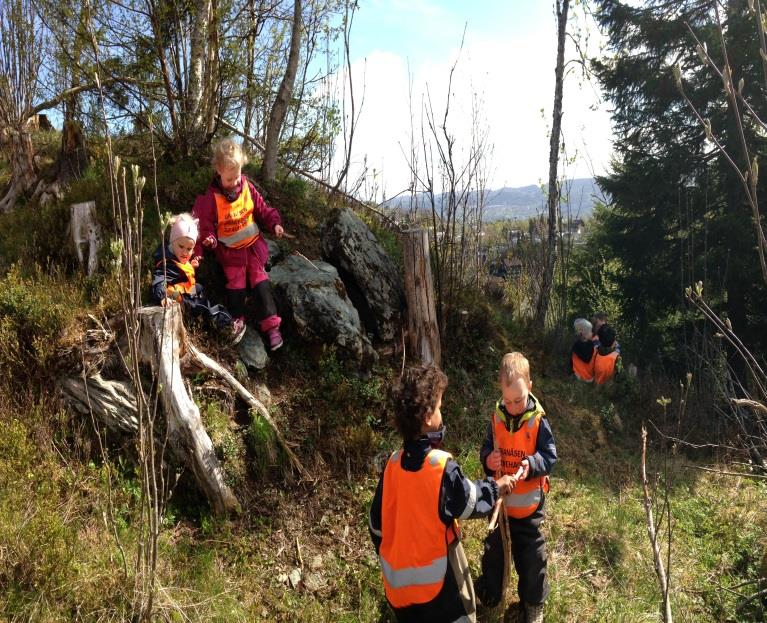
(275, 252)
(294, 577)
(314, 298)
(372, 279)
(252, 351)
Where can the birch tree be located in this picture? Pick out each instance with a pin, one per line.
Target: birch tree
(550, 243)
(21, 46)
(281, 102)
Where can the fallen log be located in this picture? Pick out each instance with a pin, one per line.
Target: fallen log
(162, 341)
(112, 402)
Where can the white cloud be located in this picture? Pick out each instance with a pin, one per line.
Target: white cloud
(514, 79)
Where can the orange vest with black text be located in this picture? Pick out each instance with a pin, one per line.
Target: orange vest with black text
(604, 366)
(235, 227)
(514, 447)
(185, 287)
(414, 545)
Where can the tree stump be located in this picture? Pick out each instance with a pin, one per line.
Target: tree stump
(422, 325)
(85, 232)
(162, 342)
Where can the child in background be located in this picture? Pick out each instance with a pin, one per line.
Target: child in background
(232, 215)
(414, 517)
(174, 277)
(607, 358)
(518, 436)
(597, 320)
(582, 352)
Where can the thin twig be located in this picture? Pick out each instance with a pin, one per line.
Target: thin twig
(724, 472)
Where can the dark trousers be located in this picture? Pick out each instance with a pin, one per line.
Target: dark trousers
(528, 549)
(261, 296)
(201, 307)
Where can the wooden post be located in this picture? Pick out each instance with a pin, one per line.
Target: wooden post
(85, 230)
(423, 329)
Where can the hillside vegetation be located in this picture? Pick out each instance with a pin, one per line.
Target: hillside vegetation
(299, 551)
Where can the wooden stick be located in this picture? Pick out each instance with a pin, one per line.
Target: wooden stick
(499, 503)
(505, 539)
(252, 401)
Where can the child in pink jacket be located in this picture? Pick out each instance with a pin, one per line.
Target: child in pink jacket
(232, 216)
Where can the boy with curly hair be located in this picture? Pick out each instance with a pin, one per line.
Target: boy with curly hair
(420, 497)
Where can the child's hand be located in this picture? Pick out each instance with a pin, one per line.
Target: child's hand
(210, 242)
(505, 484)
(493, 460)
(525, 465)
(279, 231)
(195, 262)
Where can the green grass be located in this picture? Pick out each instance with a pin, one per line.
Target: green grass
(61, 503)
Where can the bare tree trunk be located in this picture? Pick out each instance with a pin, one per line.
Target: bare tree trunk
(280, 107)
(652, 533)
(255, 18)
(24, 171)
(550, 243)
(423, 329)
(159, 47)
(198, 54)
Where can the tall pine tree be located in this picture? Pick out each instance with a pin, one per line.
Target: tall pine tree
(678, 212)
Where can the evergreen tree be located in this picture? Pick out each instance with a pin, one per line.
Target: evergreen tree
(678, 213)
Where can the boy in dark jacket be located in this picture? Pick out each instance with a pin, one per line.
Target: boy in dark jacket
(174, 277)
(518, 436)
(607, 358)
(414, 517)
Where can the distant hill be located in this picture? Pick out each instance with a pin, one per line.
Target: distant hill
(525, 202)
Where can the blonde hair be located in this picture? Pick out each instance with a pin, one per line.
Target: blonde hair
(513, 365)
(228, 154)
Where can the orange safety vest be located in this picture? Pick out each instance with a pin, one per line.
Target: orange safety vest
(514, 447)
(414, 545)
(236, 227)
(604, 366)
(185, 287)
(584, 371)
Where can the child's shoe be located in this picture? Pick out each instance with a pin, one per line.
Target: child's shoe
(534, 613)
(275, 338)
(238, 329)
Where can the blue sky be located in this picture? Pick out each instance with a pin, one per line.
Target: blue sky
(507, 61)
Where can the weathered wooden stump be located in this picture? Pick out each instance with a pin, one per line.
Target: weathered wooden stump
(422, 325)
(161, 345)
(85, 232)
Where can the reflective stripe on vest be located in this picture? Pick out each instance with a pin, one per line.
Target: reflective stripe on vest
(514, 447)
(584, 371)
(185, 287)
(414, 543)
(604, 366)
(235, 227)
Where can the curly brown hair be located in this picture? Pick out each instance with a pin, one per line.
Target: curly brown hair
(415, 395)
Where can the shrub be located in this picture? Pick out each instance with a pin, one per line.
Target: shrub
(32, 318)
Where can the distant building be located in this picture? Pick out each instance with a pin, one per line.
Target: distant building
(576, 227)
